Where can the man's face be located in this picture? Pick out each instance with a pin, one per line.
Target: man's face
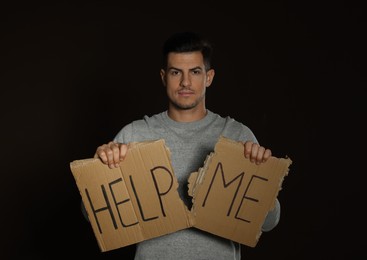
(186, 80)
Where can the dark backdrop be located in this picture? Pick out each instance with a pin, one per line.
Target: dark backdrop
(72, 74)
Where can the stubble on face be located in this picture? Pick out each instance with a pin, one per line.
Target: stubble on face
(187, 106)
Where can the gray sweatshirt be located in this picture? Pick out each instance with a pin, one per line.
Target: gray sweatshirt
(189, 144)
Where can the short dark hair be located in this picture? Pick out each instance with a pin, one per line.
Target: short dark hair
(188, 42)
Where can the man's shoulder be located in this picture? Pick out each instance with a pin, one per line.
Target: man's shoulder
(140, 129)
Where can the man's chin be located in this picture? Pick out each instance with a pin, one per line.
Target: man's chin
(183, 106)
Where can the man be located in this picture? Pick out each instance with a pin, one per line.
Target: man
(190, 131)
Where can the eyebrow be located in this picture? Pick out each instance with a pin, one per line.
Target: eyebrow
(195, 68)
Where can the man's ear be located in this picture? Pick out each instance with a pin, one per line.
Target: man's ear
(209, 77)
(163, 77)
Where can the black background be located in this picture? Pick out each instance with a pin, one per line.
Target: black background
(72, 74)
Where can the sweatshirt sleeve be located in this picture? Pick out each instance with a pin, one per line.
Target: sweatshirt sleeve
(125, 135)
(272, 219)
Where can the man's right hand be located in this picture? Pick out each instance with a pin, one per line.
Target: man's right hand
(111, 153)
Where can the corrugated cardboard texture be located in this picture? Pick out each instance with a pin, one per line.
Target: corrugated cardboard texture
(232, 196)
(135, 202)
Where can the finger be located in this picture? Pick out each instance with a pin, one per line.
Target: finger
(254, 152)
(123, 151)
(267, 155)
(260, 155)
(100, 153)
(113, 154)
(247, 149)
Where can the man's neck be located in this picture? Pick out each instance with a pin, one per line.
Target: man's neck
(189, 115)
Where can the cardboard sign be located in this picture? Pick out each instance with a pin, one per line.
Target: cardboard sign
(139, 200)
(135, 202)
(232, 196)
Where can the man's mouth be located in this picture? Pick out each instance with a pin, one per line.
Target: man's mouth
(185, 92)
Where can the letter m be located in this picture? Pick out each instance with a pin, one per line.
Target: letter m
(226, 184)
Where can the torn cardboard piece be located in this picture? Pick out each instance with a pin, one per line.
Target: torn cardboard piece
(135, 202)
(139, 200)
(232, 196)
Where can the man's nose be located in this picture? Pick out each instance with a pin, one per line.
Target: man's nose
(185, 80)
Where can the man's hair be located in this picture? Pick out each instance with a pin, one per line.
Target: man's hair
(188, 42)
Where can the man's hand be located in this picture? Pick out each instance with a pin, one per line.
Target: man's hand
(111, 153)
(256, 153)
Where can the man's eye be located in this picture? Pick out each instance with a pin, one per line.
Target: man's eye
(196, 72)
(174, 72)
